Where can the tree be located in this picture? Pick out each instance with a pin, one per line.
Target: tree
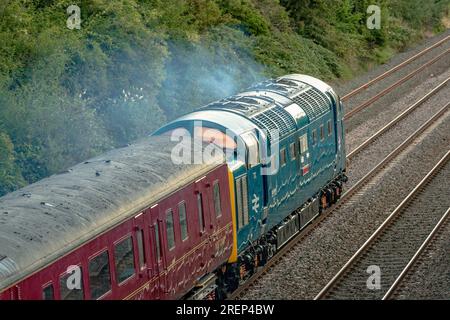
(10, 177)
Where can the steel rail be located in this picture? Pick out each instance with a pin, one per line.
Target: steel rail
(397, 211)
(392, 70)
(345, 196)
(385, 91)
(414, 259)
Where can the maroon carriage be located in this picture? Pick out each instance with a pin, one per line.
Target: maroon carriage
(130, 224)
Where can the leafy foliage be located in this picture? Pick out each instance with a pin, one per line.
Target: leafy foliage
(66, 95)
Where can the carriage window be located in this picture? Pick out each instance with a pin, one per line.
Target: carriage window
(48, 292)
(99, 276)
(303, 143)
(314, 136)
(183, 222)
(124, 258)
(283, 156)
(170, 232)
(292, 150)
(217, 206)
(245, 198)
(140, 243)
(158, 246)
(322, 132)
(329, 128)
(71, 285)
(200, 212)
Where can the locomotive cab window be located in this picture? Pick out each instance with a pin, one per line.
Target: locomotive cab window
(217, 205)
(170, 231)
(303, 143)
(99, 276)
(124, 260)
(330, 128)
(183, 222)
(71, 285)
(48, 293)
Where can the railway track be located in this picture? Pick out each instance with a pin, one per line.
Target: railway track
(401, 282)
(243, 288)
(390, 88)
(344, 198)
(395, 241)
(397, 119)
(392, 70)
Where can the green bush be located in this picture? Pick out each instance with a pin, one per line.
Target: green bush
(10, 177)
(66, 95)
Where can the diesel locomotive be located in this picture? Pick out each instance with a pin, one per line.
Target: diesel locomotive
(135, 224)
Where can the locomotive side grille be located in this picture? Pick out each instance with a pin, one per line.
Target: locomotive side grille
(276, 118)
(265, 122)
(319, 96)
(314, 102)
(239, 202)
(245, 199)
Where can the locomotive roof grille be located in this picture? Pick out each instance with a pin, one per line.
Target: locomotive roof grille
(243, 99)
(246, 105)
(270, 84)
(288, 82)
(243, 108)
(314, 102)
(283, 86)
(274, 86)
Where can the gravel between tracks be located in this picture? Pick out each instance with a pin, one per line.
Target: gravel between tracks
(306, 269)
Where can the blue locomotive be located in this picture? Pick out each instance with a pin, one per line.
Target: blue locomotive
(290, 132)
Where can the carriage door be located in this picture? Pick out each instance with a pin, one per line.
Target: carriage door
(15, 293)
(156, 259)
(141, 258)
